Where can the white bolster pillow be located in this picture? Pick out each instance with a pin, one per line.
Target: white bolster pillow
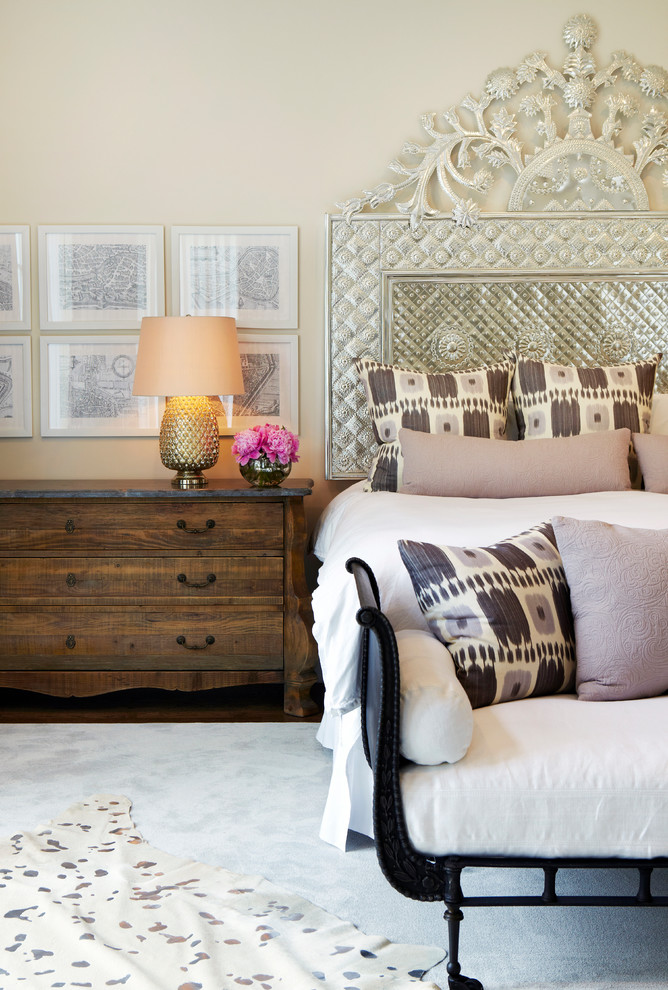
(436, 723)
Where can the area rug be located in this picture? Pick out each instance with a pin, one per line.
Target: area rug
(85, 901)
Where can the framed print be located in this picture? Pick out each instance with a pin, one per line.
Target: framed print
(269, 363)
(100, 278)
(15, 389)
(86, 389)
(249, 273)
(15, 278)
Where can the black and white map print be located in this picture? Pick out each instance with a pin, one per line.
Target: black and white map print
(102, 276)
(96, 385)
(6, 387)
(234, 278)
(262, 382)
(88, 389)
(261, 399)
(269, 368)
(6, 279)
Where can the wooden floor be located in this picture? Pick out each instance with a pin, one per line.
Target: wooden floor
(258, 703)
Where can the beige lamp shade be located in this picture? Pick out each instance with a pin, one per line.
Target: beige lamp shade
(188, 355)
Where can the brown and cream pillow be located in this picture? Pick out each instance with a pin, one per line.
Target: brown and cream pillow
(503, 611)
(457, 403)
(554, 400)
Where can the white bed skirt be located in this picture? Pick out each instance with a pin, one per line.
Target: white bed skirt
(350, 798)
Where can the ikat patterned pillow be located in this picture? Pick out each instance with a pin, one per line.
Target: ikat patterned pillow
(457, 403)
(553, 400)
(502, 611)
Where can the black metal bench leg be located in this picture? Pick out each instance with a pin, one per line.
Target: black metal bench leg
(453, 915)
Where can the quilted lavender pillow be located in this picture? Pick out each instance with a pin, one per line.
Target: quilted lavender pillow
(618, 580)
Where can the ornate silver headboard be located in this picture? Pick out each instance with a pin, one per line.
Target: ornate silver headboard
(575, 270)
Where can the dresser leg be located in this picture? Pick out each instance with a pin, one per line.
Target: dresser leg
(297, 699)
(300, 652)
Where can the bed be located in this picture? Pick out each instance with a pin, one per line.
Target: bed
(472, 356)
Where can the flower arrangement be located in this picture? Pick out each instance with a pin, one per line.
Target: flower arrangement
(275, 442)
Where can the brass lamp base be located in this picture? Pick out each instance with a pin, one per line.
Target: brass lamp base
(189, 479)
(189, 439)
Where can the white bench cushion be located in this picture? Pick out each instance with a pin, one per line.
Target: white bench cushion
(549, 776)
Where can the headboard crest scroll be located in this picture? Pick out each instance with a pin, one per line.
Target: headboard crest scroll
(513, 128)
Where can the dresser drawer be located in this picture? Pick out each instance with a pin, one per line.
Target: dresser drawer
(141, 638)
(219, 580)
(196, 525)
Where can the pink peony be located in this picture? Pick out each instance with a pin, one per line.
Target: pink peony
(274, 441)
(246, 446)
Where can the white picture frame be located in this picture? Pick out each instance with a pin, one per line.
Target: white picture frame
(100, 277)
(249, 273)
(15, 387)
(270, 365)
(86, 388)
(15, 277)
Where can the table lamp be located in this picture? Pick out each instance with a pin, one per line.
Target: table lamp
(187, 359)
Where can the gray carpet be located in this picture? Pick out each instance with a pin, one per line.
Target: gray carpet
(249, 797)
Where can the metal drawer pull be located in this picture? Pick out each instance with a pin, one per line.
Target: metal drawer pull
(182, 579)
(70, 642)
(181, 640)
(69, 526)
(181, 524)
(71, 580)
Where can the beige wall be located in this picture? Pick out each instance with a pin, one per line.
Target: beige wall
(246, 112)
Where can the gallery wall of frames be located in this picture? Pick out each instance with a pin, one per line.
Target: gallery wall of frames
(96, 283)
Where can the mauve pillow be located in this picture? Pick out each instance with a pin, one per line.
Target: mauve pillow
(472, 467)
(652, 453)
(618, 581)
(659, 421)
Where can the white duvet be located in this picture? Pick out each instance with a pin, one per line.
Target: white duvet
(368, 525)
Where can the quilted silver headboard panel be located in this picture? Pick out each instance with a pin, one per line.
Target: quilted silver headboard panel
(571, 288)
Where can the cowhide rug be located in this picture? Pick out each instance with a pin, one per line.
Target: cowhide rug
(85, 901)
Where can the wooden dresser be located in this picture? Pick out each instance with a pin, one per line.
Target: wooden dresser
(107, 585)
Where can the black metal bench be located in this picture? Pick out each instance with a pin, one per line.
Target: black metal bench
(436, 878)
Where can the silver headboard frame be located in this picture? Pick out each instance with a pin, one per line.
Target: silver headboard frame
(575, 269)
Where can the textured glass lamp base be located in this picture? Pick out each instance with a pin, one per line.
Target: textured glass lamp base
(189, 439)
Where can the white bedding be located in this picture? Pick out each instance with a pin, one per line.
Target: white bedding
(368, 525)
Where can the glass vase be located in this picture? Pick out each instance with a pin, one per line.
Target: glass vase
(261, 473)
